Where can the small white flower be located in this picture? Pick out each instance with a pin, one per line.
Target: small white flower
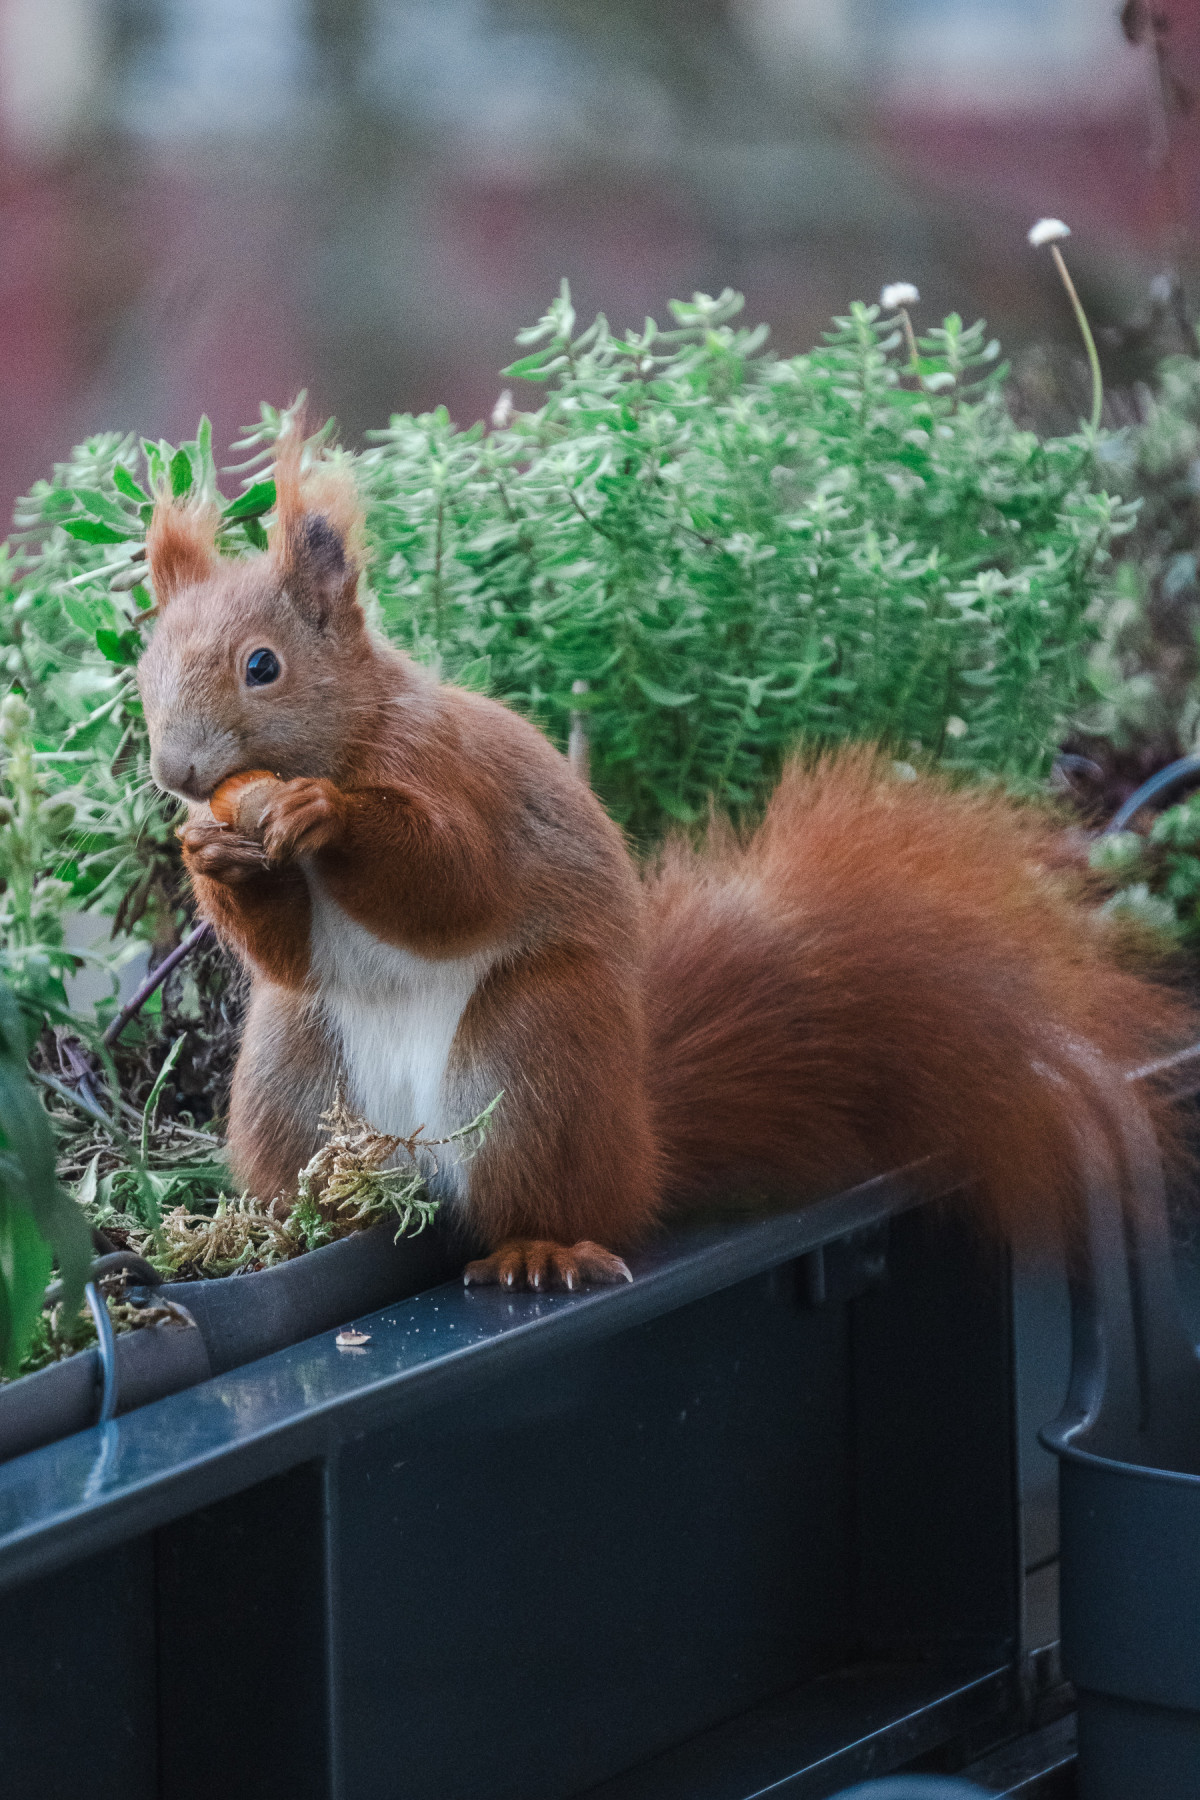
(502, 412)
(956, 727)
(898, 293)
(1048, 231)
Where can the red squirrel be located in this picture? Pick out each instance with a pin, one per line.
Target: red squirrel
(435, 909)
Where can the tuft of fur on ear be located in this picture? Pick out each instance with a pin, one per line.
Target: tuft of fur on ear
(180, 546)
(317, 538)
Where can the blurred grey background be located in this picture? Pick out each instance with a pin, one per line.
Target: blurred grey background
(205, 203)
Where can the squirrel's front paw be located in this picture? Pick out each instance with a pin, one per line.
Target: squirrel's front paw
(303, 817)
(221, 855)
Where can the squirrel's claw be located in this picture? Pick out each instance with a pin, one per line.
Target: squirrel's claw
(220, 854)
(539, 1264)
(304, 817)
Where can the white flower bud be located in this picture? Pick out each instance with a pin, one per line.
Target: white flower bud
(15, 718)
(898, 293)
(956, 727)
(502, 412)
(1048, 231)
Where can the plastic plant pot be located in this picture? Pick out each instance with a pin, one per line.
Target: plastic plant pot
(1128, 1441)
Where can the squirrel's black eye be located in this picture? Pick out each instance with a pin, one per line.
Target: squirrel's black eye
(262, 666)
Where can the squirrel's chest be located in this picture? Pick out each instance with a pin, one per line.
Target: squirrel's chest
(394, 1016)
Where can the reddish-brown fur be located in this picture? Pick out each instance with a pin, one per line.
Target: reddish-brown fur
(888, 969)
(180, 548)
(883, 971)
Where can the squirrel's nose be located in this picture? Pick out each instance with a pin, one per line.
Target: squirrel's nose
(177, 776)
(179, 769)
(193, 762)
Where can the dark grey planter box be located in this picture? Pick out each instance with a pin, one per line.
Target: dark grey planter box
(748, 1523)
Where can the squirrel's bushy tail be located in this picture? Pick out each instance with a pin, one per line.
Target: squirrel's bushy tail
(885, 970)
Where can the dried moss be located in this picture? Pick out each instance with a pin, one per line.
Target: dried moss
(345, 1187)
(56, 1336)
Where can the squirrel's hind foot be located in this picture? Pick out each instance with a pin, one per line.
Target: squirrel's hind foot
(539, 1264)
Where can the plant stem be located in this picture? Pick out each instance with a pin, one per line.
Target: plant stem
(1089, 342)
(172, 1058)
(154, 980)
(911, 338)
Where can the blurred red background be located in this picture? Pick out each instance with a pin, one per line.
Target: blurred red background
(204, 204)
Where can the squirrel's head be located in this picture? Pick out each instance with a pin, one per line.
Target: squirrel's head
(255, 662)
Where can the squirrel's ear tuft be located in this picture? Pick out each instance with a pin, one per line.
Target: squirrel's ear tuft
(316, 539)
(180, 546)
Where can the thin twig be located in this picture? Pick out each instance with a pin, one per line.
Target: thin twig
(154, 980)
(586, 516)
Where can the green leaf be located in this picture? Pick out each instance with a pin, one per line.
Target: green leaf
(123, 480)
(86, 614)
(26, 1261)
(57, 502)
(674, 807)
(90, 531)
(154, 462)
(204, 457)
(662, 696)
(255, 533)
(182, 475)
(85, 1193)
(119, 647)
(529, 368)
(475, 675)
(107, 511)
(37, 1218)
(252, 504)
(148, 1110)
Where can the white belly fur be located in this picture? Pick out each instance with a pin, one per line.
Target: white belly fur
(394, 1015)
